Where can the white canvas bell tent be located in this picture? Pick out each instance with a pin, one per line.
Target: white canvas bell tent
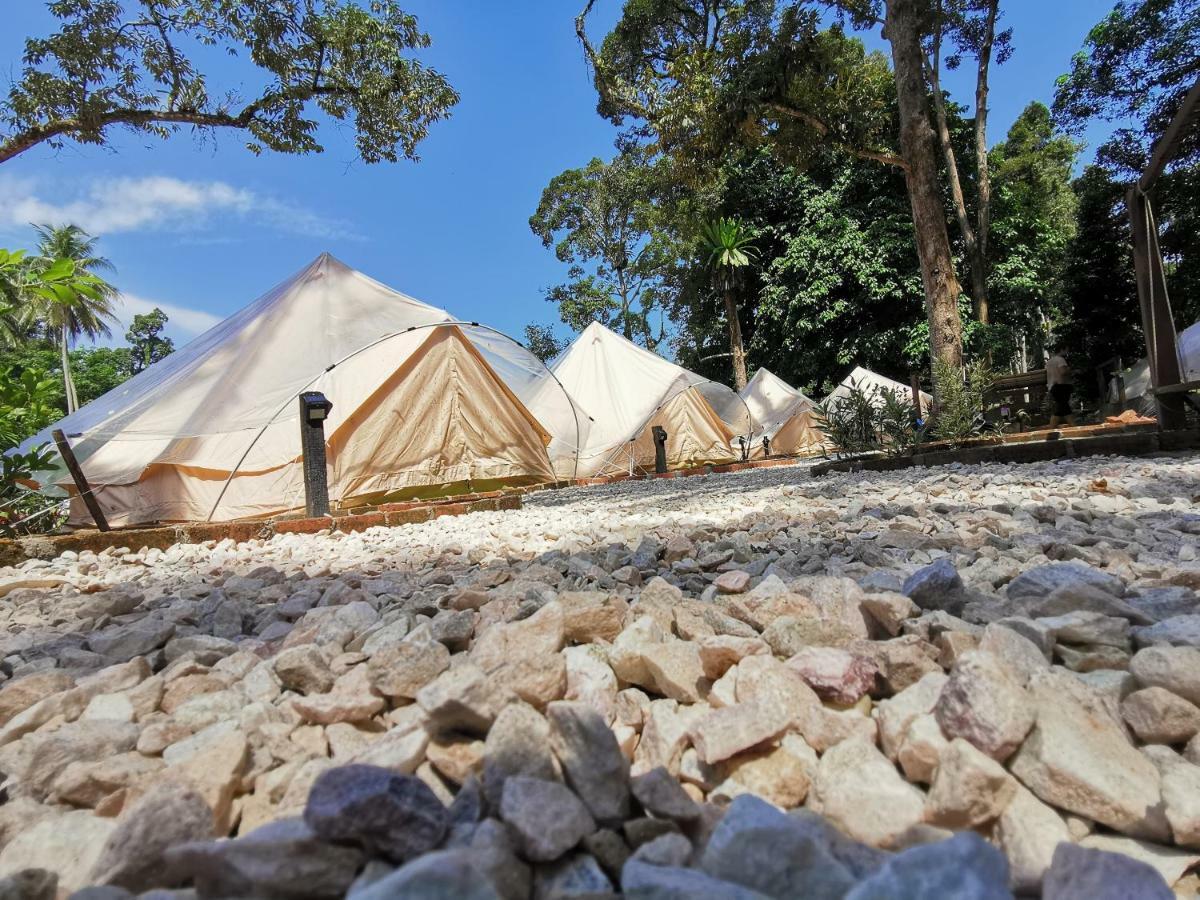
(625, 390)
(421, 404)
(1137, 377)
(873, 384)
(783, 415)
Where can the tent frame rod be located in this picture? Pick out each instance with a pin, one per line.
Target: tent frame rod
(375, 343)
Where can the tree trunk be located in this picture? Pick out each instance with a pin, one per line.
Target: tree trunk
(981, 151)
(68, 381)
(975, 258)
(924, 193)
(735, 341)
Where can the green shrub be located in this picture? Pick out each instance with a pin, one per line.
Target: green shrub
(960, 401)
(868, 421)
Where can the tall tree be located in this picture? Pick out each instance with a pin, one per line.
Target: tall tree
(603, 221)
(1035, 221)
(702, 74)
(147, 343)
(127, 64)
(1099, 316)
(970, 28)
(71, 298)
(904, 27)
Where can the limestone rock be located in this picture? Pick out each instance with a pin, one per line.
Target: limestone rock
(1077, 759)
(863, 794)
(726, 732)
(969, 788)
(1159, 717)
(1175, 668)
(984, 704)
(133, 855)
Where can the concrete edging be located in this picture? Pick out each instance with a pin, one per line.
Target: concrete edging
(1136, 444)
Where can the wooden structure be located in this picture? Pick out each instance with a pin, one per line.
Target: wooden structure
(1010, 395)
(1157, 322)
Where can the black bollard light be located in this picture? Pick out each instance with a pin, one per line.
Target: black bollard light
(660, 448)
(745, 447)
(314, 409)
(766, 446)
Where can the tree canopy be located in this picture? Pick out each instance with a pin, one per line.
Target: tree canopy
(604, 222)
(137, 65)
(1134, 69)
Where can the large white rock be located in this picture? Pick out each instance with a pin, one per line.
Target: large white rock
(861, 792)
(1078, 759)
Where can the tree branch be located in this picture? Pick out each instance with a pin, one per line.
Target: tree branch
(879, 156)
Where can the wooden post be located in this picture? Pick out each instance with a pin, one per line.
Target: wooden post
(81, 483)
(1157, 323)
(914, 380)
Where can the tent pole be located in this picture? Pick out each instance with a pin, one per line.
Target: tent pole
(81, 482)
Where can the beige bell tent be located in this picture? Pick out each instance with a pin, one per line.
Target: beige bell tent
(782, 415)
(874, 384)
(626, 390)
(421, 405)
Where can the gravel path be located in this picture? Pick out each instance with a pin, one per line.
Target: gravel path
(959, 681)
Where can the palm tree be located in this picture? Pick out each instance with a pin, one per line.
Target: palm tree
(728, 243)
(70, 297)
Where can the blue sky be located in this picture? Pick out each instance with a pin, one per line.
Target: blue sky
(201, 228)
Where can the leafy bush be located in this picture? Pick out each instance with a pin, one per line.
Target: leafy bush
(959, 413)
(869, 420)
(26, 406)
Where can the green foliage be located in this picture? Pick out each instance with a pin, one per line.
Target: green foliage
(960, 408)
(603, 221)
(696, 77)
(97, 370)
(1098, 317)
(127, 64)
(869, 420)
(26, 406)
(1135, 67)
(542, 342)
(729, 245)
(1034, 221)
(838, 283)
(147, 344)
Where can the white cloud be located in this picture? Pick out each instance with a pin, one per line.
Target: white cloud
(181, 320)
(153, 203)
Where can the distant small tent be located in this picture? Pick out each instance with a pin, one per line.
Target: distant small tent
(212, 431)
(625, 390)
(783, 415)
(1137, 377)
(874, 384)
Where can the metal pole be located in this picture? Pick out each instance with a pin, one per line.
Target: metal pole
(81, 483)
(914, 380)
(313, 410)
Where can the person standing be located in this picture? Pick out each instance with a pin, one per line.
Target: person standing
(1059, 382)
